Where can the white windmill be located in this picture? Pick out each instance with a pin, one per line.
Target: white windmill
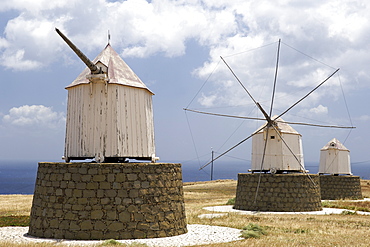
(335, 159)
(277, 157)
(275, 138)
(109, 115)
(336, 179)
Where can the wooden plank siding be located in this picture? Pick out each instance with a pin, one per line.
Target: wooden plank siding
(110, 120)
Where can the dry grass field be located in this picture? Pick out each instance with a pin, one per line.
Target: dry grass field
(15, 205)
(282, 230)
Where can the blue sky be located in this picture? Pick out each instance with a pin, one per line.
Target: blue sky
(175, 48)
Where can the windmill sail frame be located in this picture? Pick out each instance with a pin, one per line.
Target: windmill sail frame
(267, 117)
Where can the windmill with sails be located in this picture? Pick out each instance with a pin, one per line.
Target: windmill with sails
(276, 146)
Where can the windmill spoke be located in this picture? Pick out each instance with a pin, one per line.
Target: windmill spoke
(290, 150)
(236, 77)
(254, 118)
(264, 149)
(296, 103)
(269, 121)
(320, 125)
(236, 145)
(257, 104)
(275, 78)
(223, 115)
(262, 161)
(294, 155)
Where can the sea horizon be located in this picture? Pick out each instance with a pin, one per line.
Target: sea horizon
(19, 177)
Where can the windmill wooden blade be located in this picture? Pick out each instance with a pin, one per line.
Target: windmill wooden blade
(290, 150)
(322, 126)
(264, 150)
(261, 168)
(236, 145)
(93, 68)
(223, 115)
(295, 156)
(268, 118)
(275, 78)
(257, 104)
(241, 84)
(255, 118)
(296, 103)
(270, 122)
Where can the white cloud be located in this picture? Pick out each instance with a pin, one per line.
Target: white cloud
(142, 28)
(364, 118)
(208, 101)
(3, 43)
(32, 7)
(334, 32)
(38, 116)
(138, 28)
(29, 43)
(308, 27)
(319, 110)
(16, 61)
(346, 19)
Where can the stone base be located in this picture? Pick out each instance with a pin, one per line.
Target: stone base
(89, 201)
(340, 187)
(278, 192)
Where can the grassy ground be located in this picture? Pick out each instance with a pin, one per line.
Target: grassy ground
(282, 230)
(15, 205)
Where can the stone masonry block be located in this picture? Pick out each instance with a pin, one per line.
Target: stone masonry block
(99, 178)
(109, 200)
(132, 177)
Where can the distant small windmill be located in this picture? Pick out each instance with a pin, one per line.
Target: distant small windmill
(335, 159)
(336, 179)
(279, 139)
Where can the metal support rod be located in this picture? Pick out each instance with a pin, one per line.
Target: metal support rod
(212, 166)
(239, 143)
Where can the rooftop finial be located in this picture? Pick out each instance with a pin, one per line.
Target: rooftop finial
(108, 38)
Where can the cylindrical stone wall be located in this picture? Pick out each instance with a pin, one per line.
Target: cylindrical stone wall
(87, 201)
(340, 187)
(278, 192)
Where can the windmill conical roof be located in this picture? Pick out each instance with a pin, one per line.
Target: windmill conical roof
(118, 71)
(282, 126)
(334, 144)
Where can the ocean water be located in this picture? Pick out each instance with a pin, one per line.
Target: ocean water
(230, 170)
(19, 177)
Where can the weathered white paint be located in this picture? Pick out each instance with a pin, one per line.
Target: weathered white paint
(109, 115)
(118, 71)
(278, 155)
(335, 159)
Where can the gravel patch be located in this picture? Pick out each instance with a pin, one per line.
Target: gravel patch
(229, 209)
(366, 199)
(197, 234)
